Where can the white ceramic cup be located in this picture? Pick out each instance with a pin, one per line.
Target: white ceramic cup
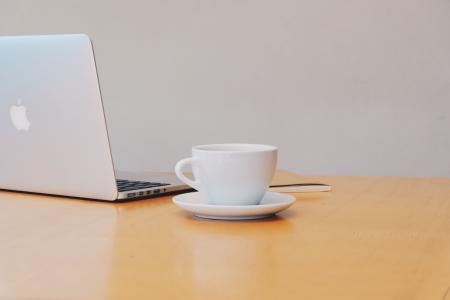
(230, 174)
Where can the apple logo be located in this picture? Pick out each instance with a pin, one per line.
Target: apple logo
(18, 114)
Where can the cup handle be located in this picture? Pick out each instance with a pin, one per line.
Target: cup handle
(179, 171)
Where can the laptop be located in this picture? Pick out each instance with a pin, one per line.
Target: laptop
(53, 130)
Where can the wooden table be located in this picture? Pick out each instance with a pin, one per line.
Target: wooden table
(370, 238)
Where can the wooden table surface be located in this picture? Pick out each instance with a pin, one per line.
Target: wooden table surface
(370, 238)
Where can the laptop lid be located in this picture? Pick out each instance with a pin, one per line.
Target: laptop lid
(53, 132)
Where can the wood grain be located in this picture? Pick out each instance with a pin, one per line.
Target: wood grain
(370, 238)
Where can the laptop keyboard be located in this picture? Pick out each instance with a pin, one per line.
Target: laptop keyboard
(124, 185)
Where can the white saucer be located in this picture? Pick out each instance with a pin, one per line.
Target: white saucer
(271, 204)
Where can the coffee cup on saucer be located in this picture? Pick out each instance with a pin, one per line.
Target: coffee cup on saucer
(230, 174)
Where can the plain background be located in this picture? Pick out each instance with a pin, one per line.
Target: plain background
(356, 87)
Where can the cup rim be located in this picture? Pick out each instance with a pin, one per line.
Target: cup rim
(252, 148)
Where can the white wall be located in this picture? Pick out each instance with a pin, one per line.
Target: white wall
(356, 87)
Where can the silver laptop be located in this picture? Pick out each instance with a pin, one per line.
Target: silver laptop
(53, 131)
